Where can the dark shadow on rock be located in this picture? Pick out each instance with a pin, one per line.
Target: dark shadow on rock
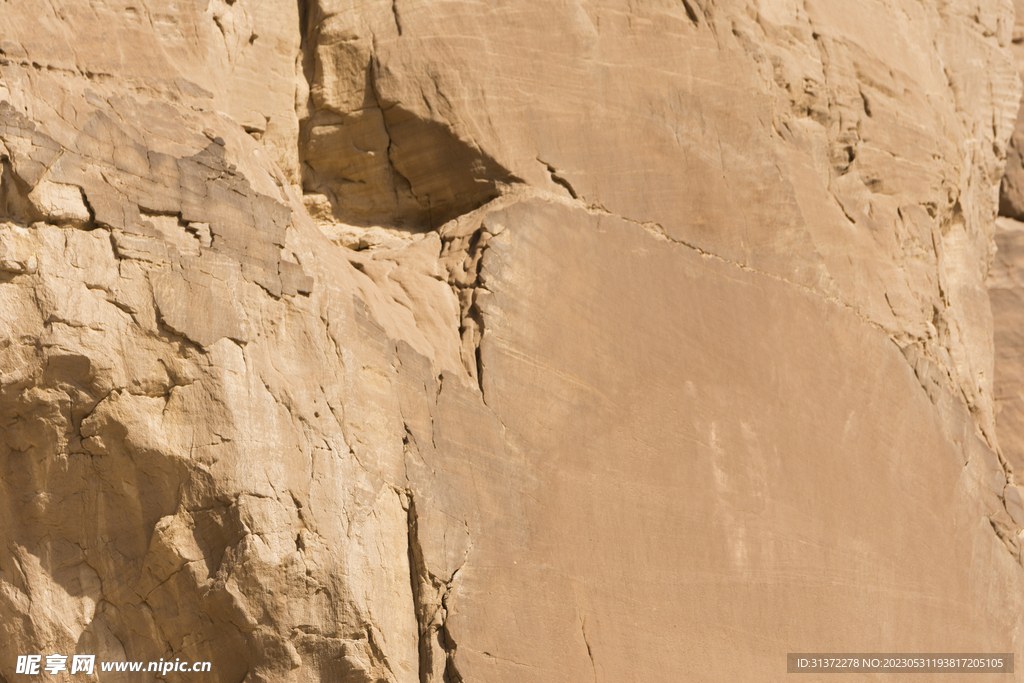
(447, 176)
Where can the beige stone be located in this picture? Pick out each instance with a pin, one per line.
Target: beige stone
(1005, 291)
(425, 342)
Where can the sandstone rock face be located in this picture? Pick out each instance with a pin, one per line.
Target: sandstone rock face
(407, 341)
(1005, 291)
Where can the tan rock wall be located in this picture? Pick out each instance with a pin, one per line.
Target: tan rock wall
(531, 341)
(779, 137)
(1004, 285)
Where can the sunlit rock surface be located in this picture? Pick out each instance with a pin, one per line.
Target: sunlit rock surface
(534, 341)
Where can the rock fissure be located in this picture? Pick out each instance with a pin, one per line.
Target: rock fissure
(430, 593)
(397, 16)
(559, 180)
(901, 343)
(464, 259)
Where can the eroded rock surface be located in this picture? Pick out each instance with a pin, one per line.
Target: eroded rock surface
(438, 342)
(1006, 289)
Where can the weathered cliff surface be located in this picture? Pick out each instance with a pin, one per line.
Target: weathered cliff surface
(407, 341)
(1006, 286)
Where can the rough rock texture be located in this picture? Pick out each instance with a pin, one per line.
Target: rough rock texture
(437, 341)
(1006, 288)
(1006, 291)
(1011, 196)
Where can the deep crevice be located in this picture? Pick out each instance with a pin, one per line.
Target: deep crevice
(91, 225)
(398, 18)
(467, 282)
(417, 568)
(690, 13)
(559, 180)
(430, 598)
(479, 356)
(451, 671)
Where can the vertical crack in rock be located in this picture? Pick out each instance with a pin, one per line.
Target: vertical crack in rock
(399, 181)
(305, 78)
(451, 670)
(586, 641)
(692, 15)
(418, 577)
(463, 255)
(397, 16)
(430, 594)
